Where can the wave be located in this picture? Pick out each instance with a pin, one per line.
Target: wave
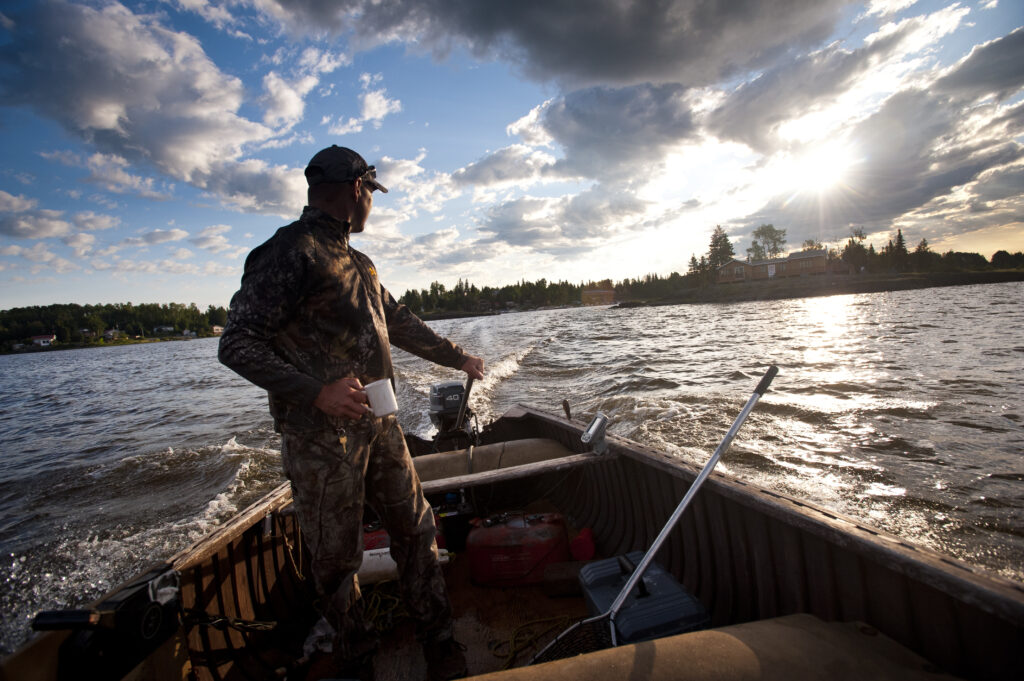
(157, 504)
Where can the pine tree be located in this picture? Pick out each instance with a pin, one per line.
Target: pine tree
(720, 250)
(900, 256)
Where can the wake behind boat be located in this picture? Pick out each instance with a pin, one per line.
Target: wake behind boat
(542, 530)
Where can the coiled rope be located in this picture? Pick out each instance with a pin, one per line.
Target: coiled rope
(525, 637)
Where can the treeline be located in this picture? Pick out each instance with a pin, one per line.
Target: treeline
(466, 297)
(529, 295)
(768, 242)
(854, 257)
(85, 324)
(896, 257)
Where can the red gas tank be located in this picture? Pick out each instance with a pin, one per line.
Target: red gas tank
(512, 549)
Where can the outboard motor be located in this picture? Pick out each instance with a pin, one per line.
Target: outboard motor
(446, 401)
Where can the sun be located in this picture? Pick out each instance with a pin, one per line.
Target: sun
(819, 168)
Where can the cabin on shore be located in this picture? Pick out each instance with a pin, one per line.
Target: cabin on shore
(799, 264)
(44, 341)
(597, 296)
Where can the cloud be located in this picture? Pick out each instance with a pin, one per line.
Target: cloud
(374, 106)
(257, 187)
(80, 243)
(94, 222)
(285, 101)
(529, 128)
(133, 266)
(563, 225)
(993, 69)
(287, 141)
(161, 236)
(510, 165)
(884, 8)
(153, 238)
(122, 266)
(315, 60)
(22, 177)
(218, 269)
(109, 171)
(609, 42)
(413, 190)
(445, 251)
(68, 158)
(606, 133)
(917, 152)
(41, 255)
(756, 113)
(34, 224)
(15, 204)
(20, 218)
(997, 186)
(217, 15)
(173, 267)
(212, 239)
(137, 91)
(620, 135)
(936, 155)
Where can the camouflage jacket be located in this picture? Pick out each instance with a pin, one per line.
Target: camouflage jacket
(310, 310)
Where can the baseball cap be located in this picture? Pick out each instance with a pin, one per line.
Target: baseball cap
(340, 164)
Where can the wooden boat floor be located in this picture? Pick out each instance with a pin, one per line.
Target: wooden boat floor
(489, 621)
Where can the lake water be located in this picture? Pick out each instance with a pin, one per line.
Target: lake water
(902, 409)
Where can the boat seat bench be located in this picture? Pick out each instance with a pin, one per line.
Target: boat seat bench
(791, 648)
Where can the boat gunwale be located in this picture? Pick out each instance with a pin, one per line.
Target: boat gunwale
(209, 545)
(989, 591)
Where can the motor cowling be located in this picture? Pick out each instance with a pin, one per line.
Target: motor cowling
(445, 400)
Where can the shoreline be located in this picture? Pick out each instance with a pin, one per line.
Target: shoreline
(780, 289)
(111, 344)
(824, 285)
(733, 292)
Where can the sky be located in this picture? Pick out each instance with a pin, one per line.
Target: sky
(147, 147)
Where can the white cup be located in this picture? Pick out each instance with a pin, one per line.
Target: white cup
(382, 397)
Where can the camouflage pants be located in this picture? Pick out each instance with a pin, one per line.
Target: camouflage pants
(332, 475)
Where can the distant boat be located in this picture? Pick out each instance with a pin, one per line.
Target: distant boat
(791, 590)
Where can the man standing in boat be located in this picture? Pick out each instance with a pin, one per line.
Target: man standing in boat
(312, 325)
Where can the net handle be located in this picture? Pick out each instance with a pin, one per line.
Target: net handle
(723, 446)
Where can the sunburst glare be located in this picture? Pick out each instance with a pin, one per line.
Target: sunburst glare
(819, 168)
